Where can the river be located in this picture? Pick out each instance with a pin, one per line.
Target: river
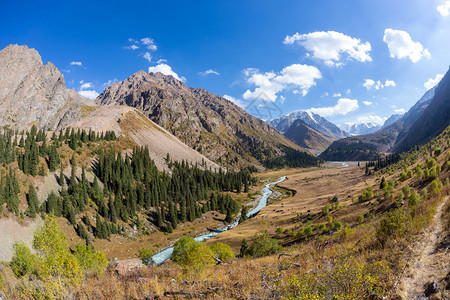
(165, 254)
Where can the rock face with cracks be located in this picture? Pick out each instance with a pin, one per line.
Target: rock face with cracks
(32, 93)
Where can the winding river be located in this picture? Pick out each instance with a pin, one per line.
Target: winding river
(165, 254)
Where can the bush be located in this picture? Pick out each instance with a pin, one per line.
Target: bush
(23, 261)
(436, 187)
(145, 255)
(393, 224)
(366, 195)
(414, 199)
(193, 255)
(262, 245)
(222, 251)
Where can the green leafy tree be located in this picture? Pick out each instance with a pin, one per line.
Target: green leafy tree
(145, 255)
(222, 251)
(193, 255)
(52, 247)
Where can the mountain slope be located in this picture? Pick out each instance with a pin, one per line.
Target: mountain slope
(384, 140)
(313, 120)
(208, 123)
(434, 119)
(130, 122)
(391, 120)
(305, 136)
(32, 93)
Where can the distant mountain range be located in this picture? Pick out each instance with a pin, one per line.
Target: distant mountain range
(425, 120)
(360, 128)
(313, 120)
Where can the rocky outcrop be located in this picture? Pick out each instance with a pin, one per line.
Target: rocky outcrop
(32, 93)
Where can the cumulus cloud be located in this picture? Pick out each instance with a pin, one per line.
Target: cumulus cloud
(269, 84)
(343, 107)
(76, 63)
(444, 9)
(166, 70)
(370, 119)
(401, 45)
(377, 85)
(329, 46)
(90, 94)
(399, 110)
(238, 102)
(432, 82)
(85, 86)
(208, 72)
(367, 103)
(337, 95)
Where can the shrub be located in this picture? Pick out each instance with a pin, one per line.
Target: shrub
(193, 255)
(414, 199)
(222, 251)
(361, 219)
(23, 261)
(406, 190)
(393, 224)
(262, 245)
(436, 187)
(145, 255)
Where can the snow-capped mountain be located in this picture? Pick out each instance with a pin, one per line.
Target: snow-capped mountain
(313, 120)
(360, 128)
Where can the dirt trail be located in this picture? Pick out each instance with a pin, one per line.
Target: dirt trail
(431, 260)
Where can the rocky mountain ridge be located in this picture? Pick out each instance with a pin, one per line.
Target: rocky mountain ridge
(32, 93)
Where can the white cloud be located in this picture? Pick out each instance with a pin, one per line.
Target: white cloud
(161, 60)
(147, 56)
(367, 103)
(238, 102)
(337, 95)
(370, 119)
(149, 43)
(432, 82)
(348, 91)
(323, 95)
(343, 107)
(76, 63)
(208, 72)
(444, 9)
(90, 94)
(85, 86)
(330, 45)
(400, 110)
(372, 84)
(388, 83)
(401, 45)
(269, 84)
(166, 70)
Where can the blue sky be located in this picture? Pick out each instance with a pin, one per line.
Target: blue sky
(350, 61)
